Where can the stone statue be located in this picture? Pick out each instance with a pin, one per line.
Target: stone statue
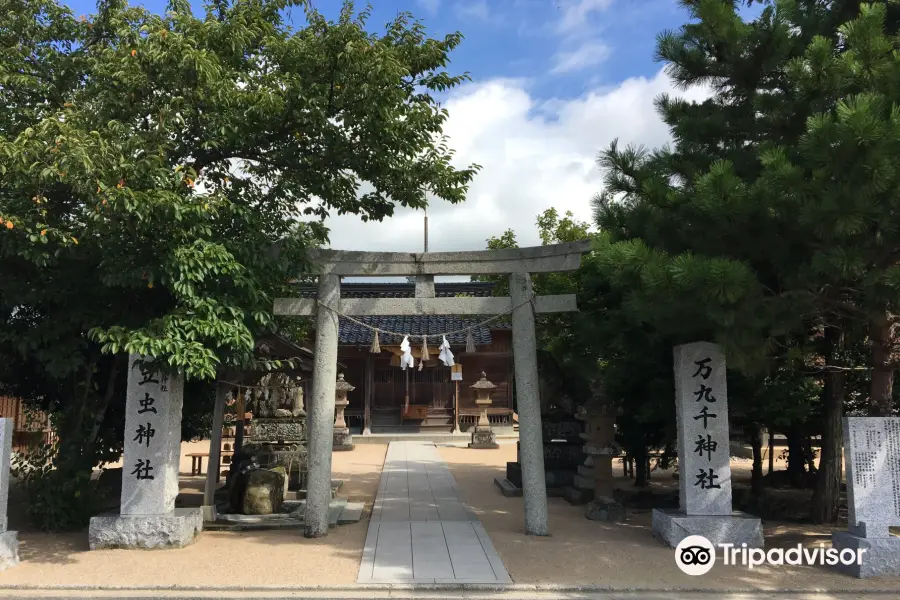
(297, 409)
(281, 397)
(265, 402)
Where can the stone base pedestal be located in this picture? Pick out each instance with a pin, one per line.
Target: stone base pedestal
(342, 440)
(605, 509)
(672, 526)
(507, 488)
(555, 480)
(175, 530)
(881, 557)
(577, 496)
(279, 430)
(484, 439)
(583, 483)
(291, 456)
(9, 549)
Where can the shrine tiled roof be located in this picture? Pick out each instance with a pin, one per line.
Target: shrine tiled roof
(350, 333)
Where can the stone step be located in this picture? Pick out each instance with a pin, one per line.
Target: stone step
(334, 511)
(301, 494)
(507, 488)
(292, 518)
(445, 421)
(352, 513)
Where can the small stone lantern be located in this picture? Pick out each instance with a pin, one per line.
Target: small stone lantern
(602, 447)
(483, 437)
(342, 440)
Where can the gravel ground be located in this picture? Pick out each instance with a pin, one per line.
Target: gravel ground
(579, 551)
(626, 556)
(216, 558)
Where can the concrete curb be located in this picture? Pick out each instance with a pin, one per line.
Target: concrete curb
(552, 588)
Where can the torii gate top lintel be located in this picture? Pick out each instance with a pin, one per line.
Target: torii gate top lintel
(535, 259)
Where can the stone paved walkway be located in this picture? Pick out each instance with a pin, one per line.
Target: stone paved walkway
(421, 532)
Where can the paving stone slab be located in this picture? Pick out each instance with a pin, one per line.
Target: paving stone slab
(420, 530)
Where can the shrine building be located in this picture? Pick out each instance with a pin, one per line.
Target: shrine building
(379, 404)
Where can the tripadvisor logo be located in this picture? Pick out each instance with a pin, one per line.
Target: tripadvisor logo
(696, 555)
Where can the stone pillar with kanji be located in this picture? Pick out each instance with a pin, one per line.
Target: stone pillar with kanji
(342, 439)
(704, 458)
(9, 540)
(147, 516)
(483, 437)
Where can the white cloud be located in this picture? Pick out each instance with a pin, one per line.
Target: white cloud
(477, 10)
(430, 6)
(589, 54)
(534, 155)
(576, 14)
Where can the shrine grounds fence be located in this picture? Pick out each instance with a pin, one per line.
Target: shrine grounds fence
(30, 427)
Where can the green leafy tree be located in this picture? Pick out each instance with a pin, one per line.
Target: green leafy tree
(156, 171)
(552, 329)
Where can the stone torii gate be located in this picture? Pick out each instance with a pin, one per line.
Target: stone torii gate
(519, 264)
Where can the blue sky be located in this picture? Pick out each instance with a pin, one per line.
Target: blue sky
(565, 46)
(553, 83)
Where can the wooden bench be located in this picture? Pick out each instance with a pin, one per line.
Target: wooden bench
(197, 460)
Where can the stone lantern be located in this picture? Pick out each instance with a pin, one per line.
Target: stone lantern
(601, 446)
(342, 439)
(483, 437)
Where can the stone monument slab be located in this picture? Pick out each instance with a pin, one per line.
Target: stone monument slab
(701, 398)
(152, 441)
(872, 456)
(872, 460)
(701, 402)
(151, 460)
(6, 436)
(9, 541)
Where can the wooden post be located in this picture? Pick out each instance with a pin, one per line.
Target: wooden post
(239, 413)
(215, 450)
(368, 384)
(456, 409)
(406, 398)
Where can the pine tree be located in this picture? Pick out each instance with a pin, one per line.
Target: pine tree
(776, 208)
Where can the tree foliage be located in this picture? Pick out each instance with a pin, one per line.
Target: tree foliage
(161, 177)
(770, 224)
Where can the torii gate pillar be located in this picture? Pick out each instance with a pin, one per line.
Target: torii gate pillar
(320, 415)
(531, 442)
(518, 263)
